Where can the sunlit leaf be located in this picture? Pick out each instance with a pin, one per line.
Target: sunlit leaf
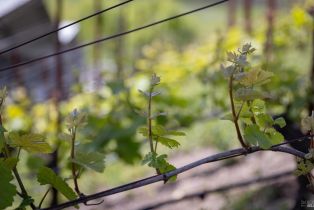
(7, 189)
(275, 137)
(258, 107)
(47, 176)
(264, 120)
(34, 143)
(171, 143)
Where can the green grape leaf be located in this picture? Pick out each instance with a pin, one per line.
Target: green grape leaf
(254, 136)
(48, 176)
(248, 94)
(304, 167)
(159, 130)
(255, 77)
(10, 162)
(143, 131)
(148, 158)
(7, 190)
(170, 143)
(264, 120)
(159, 162)
(34, 143)
(280, 121)
(258, 107)
(275, 136)
(90, 160)
(175, 133)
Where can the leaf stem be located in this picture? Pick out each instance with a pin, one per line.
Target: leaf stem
(234, 115)
(149, 120)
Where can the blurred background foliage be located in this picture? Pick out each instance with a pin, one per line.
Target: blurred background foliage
(186, 53)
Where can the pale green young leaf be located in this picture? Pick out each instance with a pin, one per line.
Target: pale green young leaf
(34, 143)
(46, 176)
(170, 143)
(7, 189)
(264, 120)
(254, 136)
(90, 160)
(275, 137)
(258, 107)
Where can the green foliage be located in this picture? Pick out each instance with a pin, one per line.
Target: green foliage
(158, 162)
(34, 143)
(157, 134)
(90, 160)
(7, 189)
(304, 167)
(47, 176)
(247, 103)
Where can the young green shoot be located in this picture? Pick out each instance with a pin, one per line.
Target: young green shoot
(247, 101)
(157, 133)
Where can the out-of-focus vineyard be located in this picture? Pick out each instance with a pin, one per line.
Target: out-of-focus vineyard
(102, 80)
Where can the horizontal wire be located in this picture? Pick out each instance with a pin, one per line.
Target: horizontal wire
(63, 27)
(111, 37)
